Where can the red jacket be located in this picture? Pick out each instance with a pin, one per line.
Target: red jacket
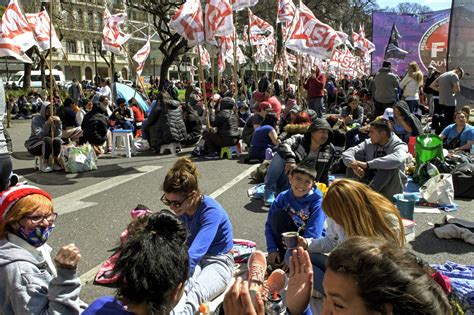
(315, 87)
(138, 114)
(276, 105)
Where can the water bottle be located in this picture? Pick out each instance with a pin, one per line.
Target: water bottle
(274, 305)
(268, 154)
(432, 170)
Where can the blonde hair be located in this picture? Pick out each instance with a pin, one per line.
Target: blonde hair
(182, 177)
(361, 211)
(415, 73)
(23, 207)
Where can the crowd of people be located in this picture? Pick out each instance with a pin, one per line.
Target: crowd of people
(350, 236)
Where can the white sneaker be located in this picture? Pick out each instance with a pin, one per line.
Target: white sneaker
(46, 168)
(57, 167)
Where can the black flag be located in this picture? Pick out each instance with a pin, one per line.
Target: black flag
(393, 50)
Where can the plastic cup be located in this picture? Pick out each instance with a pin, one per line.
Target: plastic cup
(290, 239)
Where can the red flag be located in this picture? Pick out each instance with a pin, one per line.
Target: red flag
(188, 22)
(219, 20)
(15, 27)
(141, 56)
(361, 42)
(40, 24)
(286, 11)
(260, 30)
(112, 36)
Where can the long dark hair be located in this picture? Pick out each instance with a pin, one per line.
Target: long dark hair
(386, 274)
(153, 262)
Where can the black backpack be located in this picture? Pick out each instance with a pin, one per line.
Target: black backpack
(463, 180)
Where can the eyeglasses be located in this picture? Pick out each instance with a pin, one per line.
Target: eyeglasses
(176, 204)
(36, 219)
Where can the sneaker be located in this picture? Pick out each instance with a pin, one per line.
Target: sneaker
(257, 266)
(212, 156)
(57, 167)
(268, 197)
(46, 168)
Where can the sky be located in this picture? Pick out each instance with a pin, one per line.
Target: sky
(433, 4)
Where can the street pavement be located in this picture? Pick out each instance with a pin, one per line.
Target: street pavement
(94, 207)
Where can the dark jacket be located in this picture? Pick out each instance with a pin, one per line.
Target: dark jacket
(169, 127)
(410, 118)
(193, 124)
(226, 120)
(297, 149)
(94, 126)
(40, 128)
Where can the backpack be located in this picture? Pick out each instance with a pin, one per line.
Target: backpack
(463, 180)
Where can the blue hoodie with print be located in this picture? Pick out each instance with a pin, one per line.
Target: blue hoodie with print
(305, 210)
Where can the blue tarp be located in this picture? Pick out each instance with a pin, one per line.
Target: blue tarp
(126, 92)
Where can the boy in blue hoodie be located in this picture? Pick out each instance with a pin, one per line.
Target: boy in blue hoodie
(297, 207)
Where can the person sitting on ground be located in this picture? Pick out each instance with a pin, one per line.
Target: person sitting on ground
(298, 125)
(95, 130)
(379, 161)
(193, 125)
(270, 97)
(226, 123)
(104, 89)
(405, 124)
(291, 109)
(244, 115)
(67, 114)
(460, 135)
(211, 264)
(375, 276)
(264, 137)
(86, 107)
(296, 209)
(169, 127)
(138, 116)
(467, 111)
(352, 209)
(121, 117)
(40, 142)
(314, 147)
(31, 282)
(255, 121)
(353, 113)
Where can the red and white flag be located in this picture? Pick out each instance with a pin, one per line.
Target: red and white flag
(40, 24)
(361, 42)
(260, 30)
(241, 59)
(15, 27)
(226, 48)
(188, 22)
(219, 21)
(205, 57)
(311, 36)
(113, 38)
(141, 56)
(8, 48)
(238, 5)
(286, 11)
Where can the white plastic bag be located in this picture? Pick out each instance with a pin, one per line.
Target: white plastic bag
(439, 189)
(80, 159)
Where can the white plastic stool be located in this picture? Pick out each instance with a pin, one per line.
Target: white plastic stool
(38, 161)
(173, 147)
(127, 136)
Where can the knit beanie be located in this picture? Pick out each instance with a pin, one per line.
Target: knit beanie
(9, 197)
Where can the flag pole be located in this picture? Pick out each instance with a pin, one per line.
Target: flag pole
(255, 70)
(51, 76)
(203, 89)
(235, 64)
(213, 64)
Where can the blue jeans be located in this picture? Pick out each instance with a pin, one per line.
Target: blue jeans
(413, 105)
(276, 180)
(319, 262)
(317, 104)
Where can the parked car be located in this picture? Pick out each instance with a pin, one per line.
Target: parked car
(17, 79)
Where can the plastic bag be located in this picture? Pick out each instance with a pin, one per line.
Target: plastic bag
(80, 159)
(439, 189)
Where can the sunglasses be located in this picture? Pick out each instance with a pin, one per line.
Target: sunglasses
(174, 203)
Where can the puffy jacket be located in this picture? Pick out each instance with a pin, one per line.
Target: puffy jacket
(193, 124)
(226, 120)
(94, 126)
(169, 127)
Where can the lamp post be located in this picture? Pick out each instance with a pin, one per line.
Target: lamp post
(95, 63)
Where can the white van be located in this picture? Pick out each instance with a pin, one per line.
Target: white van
(17, 78)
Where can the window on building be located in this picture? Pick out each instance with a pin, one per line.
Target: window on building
(100, 22)
(80, 18)
(87, 47)
(71, 46)
(90, 19)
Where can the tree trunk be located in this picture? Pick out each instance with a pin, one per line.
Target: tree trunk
(27, 71)
(167, 62)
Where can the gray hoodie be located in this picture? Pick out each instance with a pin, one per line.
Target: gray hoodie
(40, 128)
(27, 286)
(3, 141)
(390, 156)
(386, 86)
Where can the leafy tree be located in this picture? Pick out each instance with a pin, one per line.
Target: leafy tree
(409, 8)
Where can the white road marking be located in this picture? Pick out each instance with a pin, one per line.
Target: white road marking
(72, 202)
(89, 276)
(237, 179)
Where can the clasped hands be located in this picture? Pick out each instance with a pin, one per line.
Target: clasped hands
(358, 168)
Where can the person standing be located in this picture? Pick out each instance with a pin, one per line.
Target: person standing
(431, 95)
(411, 86)
(447, 85)
(315, 86)
(385, 87)
(75, 91)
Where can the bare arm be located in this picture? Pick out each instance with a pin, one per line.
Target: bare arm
(435, 85)
(456, 88)
(465, 147)
(273, 135)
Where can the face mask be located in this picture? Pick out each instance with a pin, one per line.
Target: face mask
(37, 236)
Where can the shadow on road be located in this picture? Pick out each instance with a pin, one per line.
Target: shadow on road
(62, 178)
(428, 243)
(256, 206)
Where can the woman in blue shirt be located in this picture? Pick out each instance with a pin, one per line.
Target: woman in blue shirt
(210, 236)
(459, 130)
(264, 137)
